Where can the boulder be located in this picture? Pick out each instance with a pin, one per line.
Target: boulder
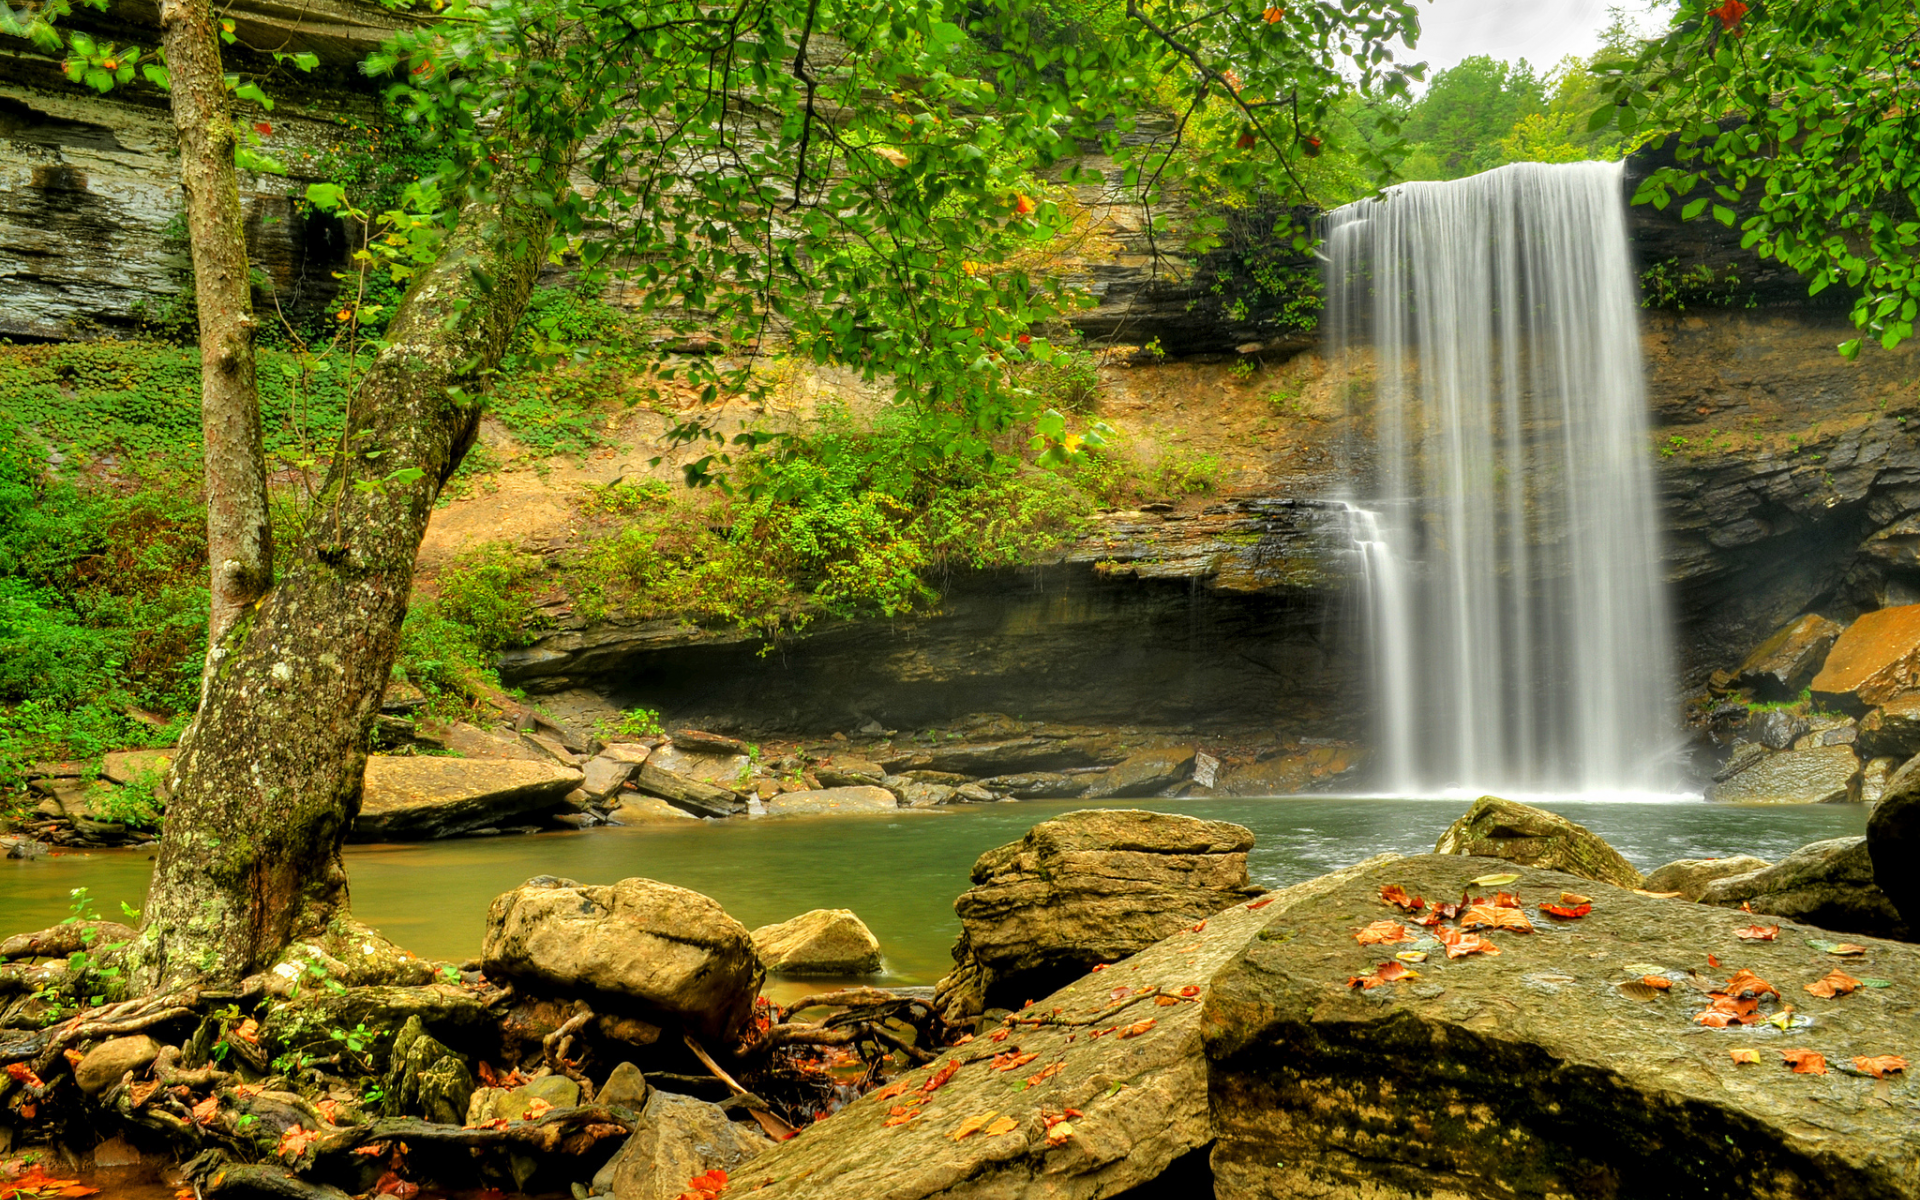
(849, 772)
(1893, 843)
(1775, 728)
(1874, 778)
(698, 741)
(915, 794)
(1876, 659)
(1824, 775)
(625, 1088)
(129, 766)
(826, 941)
(1013, 756)
(1690, 876)
(1520, 833)
(678, 1138)
(648, 810)
(408, 798)
(1085, 888)
(627, 752)
(109, 1062)
(669, 951)
(1893, 729)
(603, 776)
(1745, 754)
(1038, 785)
(1141, 1097)
(1783, 665)
(684, 791)
(1147, 773)
(513, 1104)
(1549, 1070)
(826, 800)
(425, 1078)
(1829, 884)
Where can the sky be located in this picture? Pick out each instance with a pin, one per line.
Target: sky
(1540, 31)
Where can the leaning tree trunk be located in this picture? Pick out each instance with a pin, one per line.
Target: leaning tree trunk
(239, 537)
(268, 779)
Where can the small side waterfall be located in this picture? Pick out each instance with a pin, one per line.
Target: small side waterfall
(1518, 620)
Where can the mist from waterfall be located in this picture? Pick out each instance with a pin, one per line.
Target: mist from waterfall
(1486, 329)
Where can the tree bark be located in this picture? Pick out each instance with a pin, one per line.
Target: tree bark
(268, 779)
(239, 537)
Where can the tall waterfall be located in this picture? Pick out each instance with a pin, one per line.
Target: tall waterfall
(1505, 515)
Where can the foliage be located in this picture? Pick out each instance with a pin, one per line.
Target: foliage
(1667, 285)
(489, 590)
(1456, 127)
(1800, 112)
(634, 722)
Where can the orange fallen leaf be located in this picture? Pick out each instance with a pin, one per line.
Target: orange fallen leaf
(1880, 1065)
(1045, 1073)
(295, 1140)
(537, 1108)
(1383, 933)
(901, 1114)
(203, 1112)
(1059, 1132)
(1386, 972)
(1835, 983)
(971, 1126)
(1397, 896)
(1746, 983)
(1011, 1060)
(1758, 933)
(1192, 989)
(1487, 916)
(1574, 898)
(940, 1077)
(1506, 900)
(1459, 945)
(1566, 912)
(1259, 904)
(74, 1057)
(1657, 981)
(1003, 1125)
(1166, 1001)
(1745, 1056)
(1138, 1028)
(891, 1090)
(247, 1030)
(21, 1073)
(1198, 928)
(1713, 962)
(1805, 1062)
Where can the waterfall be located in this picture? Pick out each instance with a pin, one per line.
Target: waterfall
(1487, 330)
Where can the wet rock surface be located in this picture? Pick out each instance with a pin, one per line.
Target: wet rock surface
(1520, 833)
(1690, 876)
(1829, 884)
(660, 949)
(1876, 659)
(834, 800)
(406, 798)
(1785, 663)
(1535, 1073)
(1821, 775)
(1085, 888)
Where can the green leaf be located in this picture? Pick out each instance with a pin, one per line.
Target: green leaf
(157, 76)
(306, 60)
(1694, 208)
(82, 45)
(1600, 118)
(326, 196)
(99, 80)
(251, 91)
(1724, 215)
(946, 33)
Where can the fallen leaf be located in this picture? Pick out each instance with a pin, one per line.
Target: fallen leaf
(1506, 900)
(891, 1090)
(1847, 950)
(1383, 933)
(1805, 1062)
(1713, 962)
(295, 1140)
(1137, 1028)
(1746, 983)
(1758, 933)
(1494, 880)
(247, 1031)
(21, 1073)
(1566, 912)
(1045, 1073)
(1412, 956)
(1880, 1065)
(1574, 898)
(1059, 1132)
(901, 1114)
(1192, 989)
(203, 1112)
(1166, 1001)
(1459, 945)
(1386, 972)
(1660, 982)
(1000, 1035)
(940, 1077)
(1835, 983)
(1745, 1056)
(971, 1126)
(1445, 912)
(1397, 896)
(1656, 895)
(537, 1108)
(1011, 1060)
(1259, 904)
(1003, 1125)
(1636, 989)
(1486, 916)
(1198, 928)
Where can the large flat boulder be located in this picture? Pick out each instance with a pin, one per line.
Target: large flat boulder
(1783, 665)
(826, 941)
(696, 796)
(407, 798)
(1689, 877)
(1147, 773)
(1893, 843)
(1551, 1070)
(1085, 888)
(1876, 659)
(1829, 884)
(834, 800)
(1822, 775)
(663, 950)
(1120, 1047)
(1521, 833)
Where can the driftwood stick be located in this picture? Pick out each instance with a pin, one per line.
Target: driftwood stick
(860, 997)
(706, 1060)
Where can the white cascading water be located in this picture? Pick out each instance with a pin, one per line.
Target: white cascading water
(1518, 619)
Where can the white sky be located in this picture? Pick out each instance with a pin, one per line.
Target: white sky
(1540, 31)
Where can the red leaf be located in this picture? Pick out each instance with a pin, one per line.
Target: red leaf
(1259, 904)
(1729, 13)
(1880, 1065)
(1565, 912)
(1758, 933)
(1713, 962)
(940, 1077)
(263, 128)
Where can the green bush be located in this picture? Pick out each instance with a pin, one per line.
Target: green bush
(488, 590)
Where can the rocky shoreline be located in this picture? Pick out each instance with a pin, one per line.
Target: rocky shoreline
(1458, 1023)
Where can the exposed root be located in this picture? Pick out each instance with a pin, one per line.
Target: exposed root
(554, 1048)
(115, 1020)
(68, 937)
(545, 1133)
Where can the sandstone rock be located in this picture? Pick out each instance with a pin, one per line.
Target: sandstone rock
(1874, 778)
(553, 748)
(678, 1137)
(126, 766)
(684, 791)
(1829, 884)
(1775, 728)
(1520, 833)
(826, 941)
(972, 793)
(849, 772)
(1825, 775)
(1038, 785)
(825, 800)
(669, 950)
(1532, 1074)
(915, 794)
(1084, 888)
(1690, 876)
(108, 1062)
(1744, 755)
(625, 1088)
(1783, 665)
(470, 741)
(1147, 773)
(1014, 756)
(1893, 843)
(1142, 1099)
(1287, 774)
(407, 798)
(513, 1104)
(1876, 659)
(696, 741)
(627, 752)
(603, 776)
(648, 810)
(1893, 728)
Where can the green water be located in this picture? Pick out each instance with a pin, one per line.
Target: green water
(899, 872)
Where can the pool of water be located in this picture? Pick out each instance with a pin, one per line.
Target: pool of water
(899, 872)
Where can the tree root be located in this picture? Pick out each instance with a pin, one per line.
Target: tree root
(66, 938)
(264, 1181)
(23, 977)
(115, 1020)
(544, 1133)
(555, 1045)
